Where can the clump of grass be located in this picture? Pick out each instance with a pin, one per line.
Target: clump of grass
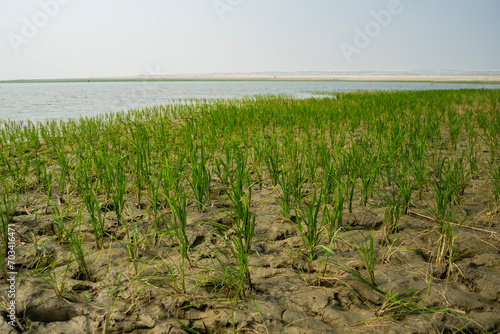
(311, 227)
(444, 185)
(273, 160)
(455, 124)
(369, 178)
(239, 248)
(393, 306)
(76, 248)
(46, 184)
(200, 180)
(232, 271)
(62, 213)
(289, 181)
(132, 242)
(367, 256)
(176, 229)
(447, 249)
(155, 190)
(348, 186)
(117, 179)
(493, 170)
(245, 221)
(57, 282)
(393, 210)
(97, 217)
(64, 165)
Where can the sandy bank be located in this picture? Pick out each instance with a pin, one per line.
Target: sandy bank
(484, 79)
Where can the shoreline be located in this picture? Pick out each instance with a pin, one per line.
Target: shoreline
(433, 79)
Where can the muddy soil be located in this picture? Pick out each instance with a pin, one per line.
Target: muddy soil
(286, 295)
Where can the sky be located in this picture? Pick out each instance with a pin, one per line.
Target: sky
(48, 39)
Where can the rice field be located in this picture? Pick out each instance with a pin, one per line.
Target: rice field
(349, 213)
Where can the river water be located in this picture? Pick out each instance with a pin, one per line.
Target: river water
(60, 101)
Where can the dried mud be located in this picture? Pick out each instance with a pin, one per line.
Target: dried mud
(287, 297)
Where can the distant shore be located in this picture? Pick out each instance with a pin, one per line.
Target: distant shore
(468, 79)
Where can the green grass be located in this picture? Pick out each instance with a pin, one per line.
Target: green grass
(158, 172)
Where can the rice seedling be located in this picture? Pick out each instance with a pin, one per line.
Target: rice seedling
(333, 216)
(140, 174)
(330, 180)
(64, 165)
(311, 228)
(399, 307)
(491, 138)
(75, 246)
(97, 217)
(419, 168)
(154, 194)
(58, 282)
(493, 170)
(47, 181)
(472, 152)
(171, 274)
(405, 189)
(117, 179)
(240, 250)
(338, 210)
(258, 159)
(176, 229)
(348, 186)
(368, 179)
(273, 160)
(366, 254)
(447, 248)
(142, 152)
(61, 213)
(309, 159)
(237, 181)
(233, 273)
(286, 180)
(245, 222)
(200, 180)
(444, 185)
(393, 210)
(171, 176)
(455, 124)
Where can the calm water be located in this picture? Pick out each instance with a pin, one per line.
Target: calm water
(44, 101)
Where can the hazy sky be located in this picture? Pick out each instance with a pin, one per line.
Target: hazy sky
(77, 38)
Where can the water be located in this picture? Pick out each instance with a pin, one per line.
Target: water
(49, 101)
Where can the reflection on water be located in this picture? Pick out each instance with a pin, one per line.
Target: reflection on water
(42, 101)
